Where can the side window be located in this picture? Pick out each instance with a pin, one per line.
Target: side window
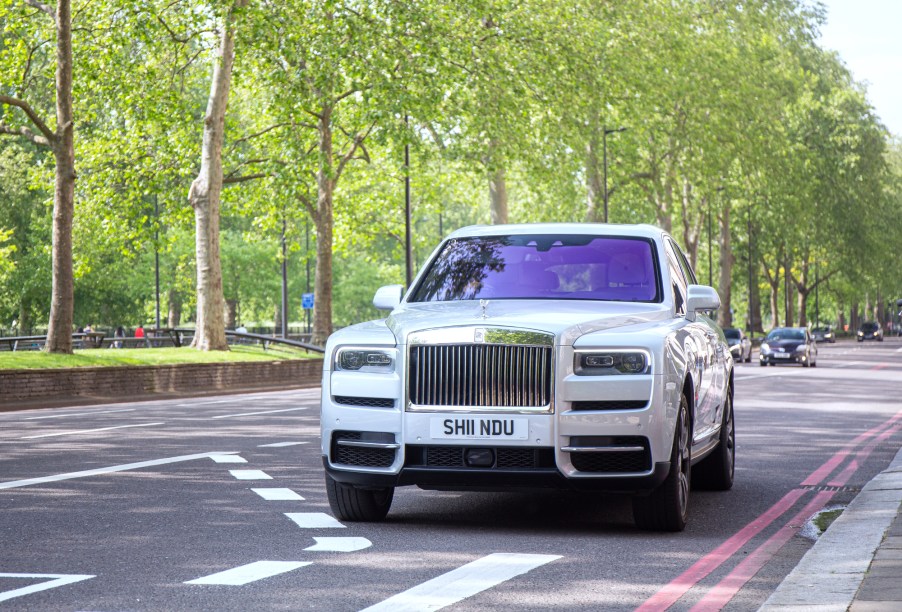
(684, 263)
(677, 280)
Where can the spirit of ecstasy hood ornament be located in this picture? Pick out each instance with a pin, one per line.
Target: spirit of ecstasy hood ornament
(484, 304)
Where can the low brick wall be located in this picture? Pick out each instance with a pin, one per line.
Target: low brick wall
(122, 382)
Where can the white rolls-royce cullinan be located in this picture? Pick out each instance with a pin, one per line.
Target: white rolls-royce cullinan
(576, 356)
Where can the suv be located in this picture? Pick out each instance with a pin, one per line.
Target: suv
(870, 331)
(575, 356)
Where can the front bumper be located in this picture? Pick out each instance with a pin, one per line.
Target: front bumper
(786, 358)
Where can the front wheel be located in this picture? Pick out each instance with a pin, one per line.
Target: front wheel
(349, 503)
(667, 507)
(715, 472)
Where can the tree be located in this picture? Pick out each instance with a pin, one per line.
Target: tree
(61, 141)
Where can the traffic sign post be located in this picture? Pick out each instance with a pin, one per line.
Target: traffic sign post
(307, 304)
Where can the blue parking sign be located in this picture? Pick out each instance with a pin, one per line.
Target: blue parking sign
(307, 301)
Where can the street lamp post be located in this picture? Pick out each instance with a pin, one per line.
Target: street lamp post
(604, 148)
(751, 322)
(284, 280)
(408, 259)
(156, 255)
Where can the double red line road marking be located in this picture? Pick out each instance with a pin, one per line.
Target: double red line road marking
(719, 595)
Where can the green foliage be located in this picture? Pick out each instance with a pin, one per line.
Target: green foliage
(731, 110)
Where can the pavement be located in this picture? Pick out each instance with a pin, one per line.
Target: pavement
(856, 565)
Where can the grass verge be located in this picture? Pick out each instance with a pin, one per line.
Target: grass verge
(32, 360)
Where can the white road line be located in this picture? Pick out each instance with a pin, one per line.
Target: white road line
(58, 580)
(250, 572)
(275, 494)
(339, 544)
(463, 582)
(314, 520)
(13, 484)
(228, 459)
(250, 474)
(229, 416)
(753, 376)
(280, 444)
(81, 431)
(60, 416)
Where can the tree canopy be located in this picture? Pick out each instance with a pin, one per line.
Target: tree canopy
(723, 122)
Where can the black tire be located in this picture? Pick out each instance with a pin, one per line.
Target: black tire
(349, 503)
(667, 507)
(763, 364)
(749, 358)
(715, 472)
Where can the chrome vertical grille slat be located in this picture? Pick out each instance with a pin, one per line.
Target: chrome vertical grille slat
(479, 375)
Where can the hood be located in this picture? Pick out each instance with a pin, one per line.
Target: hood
(567, 320)
(786, 345)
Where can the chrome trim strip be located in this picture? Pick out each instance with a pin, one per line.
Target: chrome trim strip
(602, 449)
(361, 444)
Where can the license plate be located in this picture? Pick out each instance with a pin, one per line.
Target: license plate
(479, 428)
(781, 355)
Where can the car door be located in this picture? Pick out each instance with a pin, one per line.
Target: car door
(700, 344)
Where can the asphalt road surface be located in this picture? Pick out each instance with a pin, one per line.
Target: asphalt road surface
(218, 503)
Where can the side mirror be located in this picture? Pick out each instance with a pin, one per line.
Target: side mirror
(388, 297)
(701, 297)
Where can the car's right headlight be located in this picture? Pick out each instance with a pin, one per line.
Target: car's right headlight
(601, 363)
(356, 359)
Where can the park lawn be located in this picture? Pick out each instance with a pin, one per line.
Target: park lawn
(32, 360)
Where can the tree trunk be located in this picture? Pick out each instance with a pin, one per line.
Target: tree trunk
(498, 195)
(594, 183)
(787, 291)
(322, 284)
(755, 323)
(231, 313)
(774, 283)
(62, 302)
(174, 318)
(727, 259)
(204, 196)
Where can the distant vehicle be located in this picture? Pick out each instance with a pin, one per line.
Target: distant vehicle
(870, 331)
(740, 345)
(824, 334)
(789, 345)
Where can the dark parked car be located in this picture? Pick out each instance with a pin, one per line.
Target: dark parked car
(740, 345)
(870, 331)
(824, 334)
(789, 345)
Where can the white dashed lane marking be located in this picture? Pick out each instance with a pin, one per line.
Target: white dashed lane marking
(339, 544)
(280, 444)
(250, 474)
(249, 573)
(463, 582)
(314, 520)
(276, 494)
(56, 580)
(229, 416)
(81, 431)
(228, 459)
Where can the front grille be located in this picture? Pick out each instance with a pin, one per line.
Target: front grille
(360, 456)
(506, 458)
(374, 402)
(483, 375)
(611, 405)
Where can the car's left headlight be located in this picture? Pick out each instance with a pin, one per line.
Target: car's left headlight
(356, 359)
(602, 363)
(765, 347)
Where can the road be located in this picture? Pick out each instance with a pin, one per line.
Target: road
(218, 503)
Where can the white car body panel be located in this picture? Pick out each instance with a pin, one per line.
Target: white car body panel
(681, 352)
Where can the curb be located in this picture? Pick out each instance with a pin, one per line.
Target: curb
(829, 575)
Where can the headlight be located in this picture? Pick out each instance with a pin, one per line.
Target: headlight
(368, 360)
(765, 347)
(801, 348)
(861, 333)
(602, 363)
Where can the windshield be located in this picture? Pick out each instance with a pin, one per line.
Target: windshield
(785, 334)
(573, 267)
(869, 327)
(731, 333)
